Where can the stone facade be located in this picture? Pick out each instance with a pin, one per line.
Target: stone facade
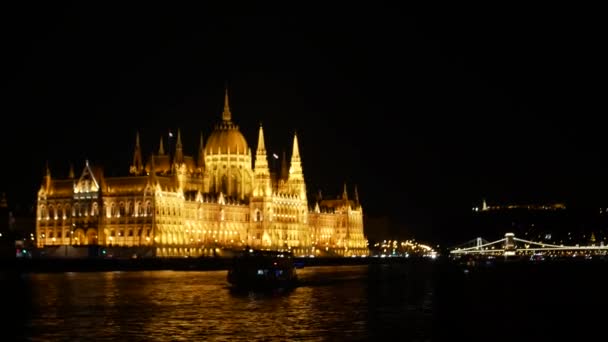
(223, 199)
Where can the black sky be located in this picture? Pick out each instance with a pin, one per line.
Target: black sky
(425, 109)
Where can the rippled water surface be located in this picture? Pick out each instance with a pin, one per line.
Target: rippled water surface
(333, 303)
(406, 302)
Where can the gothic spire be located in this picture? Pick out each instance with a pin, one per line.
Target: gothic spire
(296, 176)
(179, 153)
(152, 172)
(261, 159)
(295, 168)
(284, 171)
(47, 177)
(201, 153)
(345, 193)
(137, 166)
(161, 149)
(296, 150)
(356, 195)
(226, 115)
(71, 171)
(261, 145)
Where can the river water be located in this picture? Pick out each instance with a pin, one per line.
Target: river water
(406, 302)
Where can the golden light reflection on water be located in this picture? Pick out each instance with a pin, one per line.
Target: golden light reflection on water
(332, 303)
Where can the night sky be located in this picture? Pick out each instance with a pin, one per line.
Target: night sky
(427, 110)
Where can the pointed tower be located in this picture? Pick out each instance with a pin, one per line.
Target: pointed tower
(284, 174)
(47, 177)
(295, 166)
(226, 115)
(152, 172)
(261, 159)
(179, 151)
(161, 148)
(356, 196)
(178, 166)
(344, 193)
(137, 167)
(201, 154)
(261, 170)
(296, 175)
(297, 188)
(71, 171)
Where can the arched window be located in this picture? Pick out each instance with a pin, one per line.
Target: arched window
(121, 209)
(95, 209)
(113, 210)
(43, 213)
(235, 185)
(224, 186)
(258, 216)
(148, 208)
(51, 211)
(67, 210)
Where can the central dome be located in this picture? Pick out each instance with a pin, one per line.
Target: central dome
(226, 136)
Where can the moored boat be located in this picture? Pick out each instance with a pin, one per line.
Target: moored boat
(260, 269)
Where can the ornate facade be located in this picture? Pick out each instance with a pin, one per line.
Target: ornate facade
(178, 205)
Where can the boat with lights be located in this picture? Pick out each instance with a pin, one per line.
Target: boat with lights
(262, 269)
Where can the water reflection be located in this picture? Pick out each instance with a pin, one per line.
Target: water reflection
(332, 303)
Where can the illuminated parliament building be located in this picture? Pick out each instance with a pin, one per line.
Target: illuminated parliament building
(174, 205)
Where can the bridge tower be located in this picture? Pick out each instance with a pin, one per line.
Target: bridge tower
(478, 242)
(509, 242)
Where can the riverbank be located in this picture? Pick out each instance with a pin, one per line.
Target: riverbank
(142, 264)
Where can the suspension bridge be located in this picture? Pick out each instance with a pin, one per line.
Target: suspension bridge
(511, 246)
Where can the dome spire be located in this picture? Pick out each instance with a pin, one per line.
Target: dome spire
(201, 153)
(226, 115)
(161, 148)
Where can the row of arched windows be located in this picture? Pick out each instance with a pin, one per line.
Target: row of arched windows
(129, 209)
(60, 211)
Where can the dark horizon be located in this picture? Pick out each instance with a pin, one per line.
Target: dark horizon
(426, 110)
